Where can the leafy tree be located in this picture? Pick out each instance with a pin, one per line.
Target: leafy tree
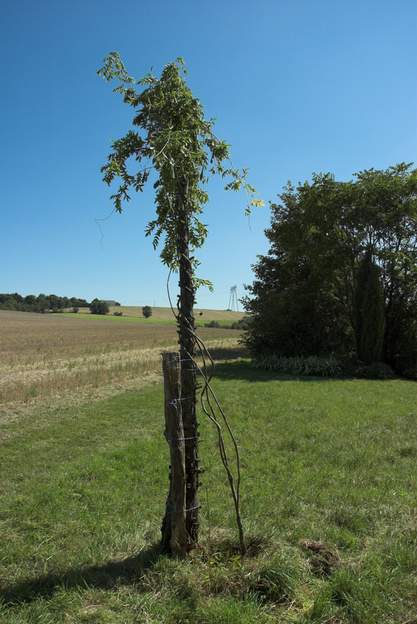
(302, 301)
(299, 303)
(55, 303)
(212, 324)
(385, 208)
(172, 140)
(369, 311)
(99, 307)
(147, 311)
(40, 303)
(80, 303)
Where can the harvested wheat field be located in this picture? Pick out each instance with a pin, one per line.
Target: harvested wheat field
(52, 356)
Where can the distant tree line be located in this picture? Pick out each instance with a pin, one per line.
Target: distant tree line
(39, 303)
(340, 276)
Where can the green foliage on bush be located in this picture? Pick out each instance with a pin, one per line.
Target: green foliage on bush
(369, 311)
(147, 311)
(212, 324)
(313, 365)
(39, 303)
(376, 370)
(337, 248)
(410, 373)
(98, 307)
(242, 323)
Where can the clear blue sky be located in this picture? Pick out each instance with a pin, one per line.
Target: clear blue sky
(296, 86)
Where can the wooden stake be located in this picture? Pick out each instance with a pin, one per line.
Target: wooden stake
(174, 533)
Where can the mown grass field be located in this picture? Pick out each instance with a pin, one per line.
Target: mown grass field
(333, 461)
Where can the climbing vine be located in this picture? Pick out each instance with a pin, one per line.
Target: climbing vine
(173, 140)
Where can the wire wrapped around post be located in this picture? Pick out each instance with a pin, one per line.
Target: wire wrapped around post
(174, 532)
(207, 395)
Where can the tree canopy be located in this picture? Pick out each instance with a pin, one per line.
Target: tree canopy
(98, 306)
(303, 299)
(39, 303)
(174, 141)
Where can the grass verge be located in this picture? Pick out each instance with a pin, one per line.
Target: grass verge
(328, 462)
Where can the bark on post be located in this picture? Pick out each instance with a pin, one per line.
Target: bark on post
(186, 329)
(174, 533)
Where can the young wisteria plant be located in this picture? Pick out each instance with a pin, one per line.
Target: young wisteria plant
(172, 139)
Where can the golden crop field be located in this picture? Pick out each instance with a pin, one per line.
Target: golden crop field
(53, 356)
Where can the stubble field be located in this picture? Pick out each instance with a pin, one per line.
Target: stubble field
(53, 356)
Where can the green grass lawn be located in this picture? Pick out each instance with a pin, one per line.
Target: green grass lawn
(334, 461)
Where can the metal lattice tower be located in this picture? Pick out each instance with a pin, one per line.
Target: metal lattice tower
(233, 300)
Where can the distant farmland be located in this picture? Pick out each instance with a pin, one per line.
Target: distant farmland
(50, 355)
(165, 316)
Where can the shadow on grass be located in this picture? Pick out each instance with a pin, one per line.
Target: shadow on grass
(235, 363)
(105, 576)
(246, 371)
(227, 353)
(113, 574)
(241, 367)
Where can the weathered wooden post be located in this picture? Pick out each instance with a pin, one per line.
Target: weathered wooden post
(174, 533)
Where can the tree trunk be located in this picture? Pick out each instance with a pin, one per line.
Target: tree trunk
(174, 533)
(186, 330)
